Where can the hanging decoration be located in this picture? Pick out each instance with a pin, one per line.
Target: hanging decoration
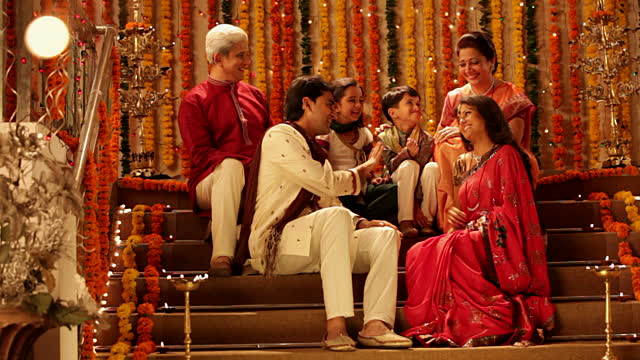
(244, 22)
(532, 87)
(557, 119)
(305, 36)
(447, 47)
(358, 43)
(592, 106)
(166, 84)
(392, 43)
(276, 102)
(325, 41)
(485, 17)
(153, 185)
(260, 79)
(227, 8)
(342, 49)
(410, 43)
(519, 78)
(10, 90)
(288, 43)
(374, 64)
(149, 121)
(461, 29)
(429, 67)
(212, 11)
(186, 52)
(576, 105)
(630, 208)
(585, 175)
(496, 34)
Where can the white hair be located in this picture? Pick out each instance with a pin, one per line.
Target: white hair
(221, 38)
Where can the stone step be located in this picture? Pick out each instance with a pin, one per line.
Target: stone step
(131, 197)
(193, 255)
(307, 288)
(177, 225)
(308, 324)
(573, 188)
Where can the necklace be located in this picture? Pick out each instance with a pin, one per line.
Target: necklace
(493, 82)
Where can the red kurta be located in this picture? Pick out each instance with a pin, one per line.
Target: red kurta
(211, 128)
(489, 287)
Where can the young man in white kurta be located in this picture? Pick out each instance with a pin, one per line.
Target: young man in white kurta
(324, 240)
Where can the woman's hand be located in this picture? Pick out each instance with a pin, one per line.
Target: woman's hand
(446, 133)
(457, 218)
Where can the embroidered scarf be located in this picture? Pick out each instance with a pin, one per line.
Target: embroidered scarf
(391, 138)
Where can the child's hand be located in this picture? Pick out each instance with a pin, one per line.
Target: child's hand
(412, 147)
(379, 181)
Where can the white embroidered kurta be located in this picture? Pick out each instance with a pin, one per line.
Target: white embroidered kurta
(286, 167)
(340, 155)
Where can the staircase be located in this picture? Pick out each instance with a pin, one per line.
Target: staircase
(283, 318)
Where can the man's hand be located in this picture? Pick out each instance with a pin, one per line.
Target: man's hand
(446, 133)
(365, 169)
(412, 147)
(457, 218)
(363, 224)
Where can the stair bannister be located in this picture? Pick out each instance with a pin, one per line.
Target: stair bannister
(89, 132)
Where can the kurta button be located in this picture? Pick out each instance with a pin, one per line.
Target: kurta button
(298, 240)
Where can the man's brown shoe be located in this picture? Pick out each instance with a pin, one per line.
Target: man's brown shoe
(220, 267)
(407, 229)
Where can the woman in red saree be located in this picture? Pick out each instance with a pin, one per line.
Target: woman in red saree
(486, 282)
(477, 62)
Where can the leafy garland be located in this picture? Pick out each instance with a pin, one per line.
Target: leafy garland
(374, 64)
(576, 105)
(166, 83)
(305, 36)
(226, 11)
(429, 66)
(342, 48)
(556, 87)
(358, 43)
(532, 73)
(409, 25)
(392, 43)
(275, 105)
(622, 232)
(259, 53)
(186, 52)
(325, 41)
(447, 47)
(496, 34)
(288, 43)
(485, 17)
(212, 10)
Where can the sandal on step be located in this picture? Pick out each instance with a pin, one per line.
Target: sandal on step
(339, 343)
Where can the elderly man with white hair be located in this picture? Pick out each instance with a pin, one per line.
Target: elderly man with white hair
(221, 121)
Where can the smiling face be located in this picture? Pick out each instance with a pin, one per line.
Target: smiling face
(474, 67)
(234, 64)
(407, 112)
(472, 124)
(349, 108)
(320, 113)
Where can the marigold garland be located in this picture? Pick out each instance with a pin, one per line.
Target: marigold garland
(496, 34)
(288, 43)
(517, 7)
(325, 41)
(167, 113)
(277, 93)
(429, 66)
(116, 120)
(622, 232)
(244, 22)
(447, 47)
(588, 174)
(461, 29)
(69, 140)
(576, 105)
(409, 25)
(556, 87)
(357, 26)
(136, 183)
(630, 208)
(342, 49)
(260, 79)
(624, 110)
(185, 158)
(186, 52)
(374, 64)
(392, 43)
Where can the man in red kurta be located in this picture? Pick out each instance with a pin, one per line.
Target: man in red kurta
(221, 121)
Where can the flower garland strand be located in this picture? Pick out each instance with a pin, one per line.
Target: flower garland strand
(592, 106)
(429, 66)
(325, 41)
(116, 120)
(186, 52)
(556, 87)
(447, 47)
(374, 64)
(576, 105)
(243, 22)
(357, 38)
(149, 121)
(342, 50)
(496, 34)
(305, 36)
(624, 110)
(485, 17)
(519, 77)
(288, 43)
(409, 25)
(461, 29)
(630, 208)
(622, 232)
(152, 185)
(588, 174)
(227, 7)
(392, 43)
(105, 180)
(277, 92)
(168, 143)
(212, 10)
(532, 88)
(260, 79)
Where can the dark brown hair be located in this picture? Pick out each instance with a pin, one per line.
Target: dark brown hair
(480, 41)
(340, 86)
(305, 86)
(393, 97)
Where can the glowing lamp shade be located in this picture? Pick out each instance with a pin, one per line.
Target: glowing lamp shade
(47, 36)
